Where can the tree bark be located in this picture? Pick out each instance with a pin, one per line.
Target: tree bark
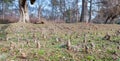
(3, 10)
(39, 12)
(90, 11)
(106, 21)
(24, 15)
(77, 13)
(84, 12)
(86, 17)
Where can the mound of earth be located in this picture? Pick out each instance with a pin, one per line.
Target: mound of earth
(27, 30)
(89, 42)
(19, 27)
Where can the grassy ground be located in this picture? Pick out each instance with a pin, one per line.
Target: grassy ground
(47, 42)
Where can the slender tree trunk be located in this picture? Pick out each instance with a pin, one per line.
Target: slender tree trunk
(63, 9)
(82, 11)
(90, 11)
(77, 13)
(112, 19)
(3, 10)
(106, 21)
(70, 17)
(39, 12)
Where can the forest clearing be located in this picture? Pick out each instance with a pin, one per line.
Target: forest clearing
(49, 42)
(59, 30)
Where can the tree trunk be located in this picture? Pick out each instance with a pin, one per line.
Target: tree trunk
(112, 19)
(90, 11)
(77, 13)
(106, 21)
(3, 10)
(39, 12)
(24, 15)
(86, 17)
(84, 12)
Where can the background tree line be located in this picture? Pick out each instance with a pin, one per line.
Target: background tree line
(69, 11)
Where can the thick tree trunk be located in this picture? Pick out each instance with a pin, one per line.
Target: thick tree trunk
(86, 17)
(84, 12)
(22, 19)
(24, 16)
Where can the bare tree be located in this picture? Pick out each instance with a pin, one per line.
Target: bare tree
(109, 10)
(40, 8)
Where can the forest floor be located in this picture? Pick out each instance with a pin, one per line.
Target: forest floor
(48, 42)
